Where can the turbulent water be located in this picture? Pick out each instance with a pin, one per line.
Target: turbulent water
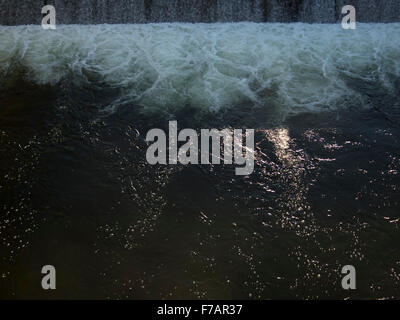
(77, 192)
(163, 67)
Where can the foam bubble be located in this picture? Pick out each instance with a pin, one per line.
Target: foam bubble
(295, 67)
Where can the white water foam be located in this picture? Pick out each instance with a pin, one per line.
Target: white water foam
(296, 67)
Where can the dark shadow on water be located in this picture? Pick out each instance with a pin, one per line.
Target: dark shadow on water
(77, 192)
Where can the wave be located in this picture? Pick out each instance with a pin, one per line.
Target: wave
(294, 67)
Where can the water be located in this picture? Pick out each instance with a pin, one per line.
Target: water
(76, 190)
(164, 67)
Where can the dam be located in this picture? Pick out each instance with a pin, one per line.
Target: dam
(22, 12)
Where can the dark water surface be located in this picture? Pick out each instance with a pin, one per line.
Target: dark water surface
(77, 193)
